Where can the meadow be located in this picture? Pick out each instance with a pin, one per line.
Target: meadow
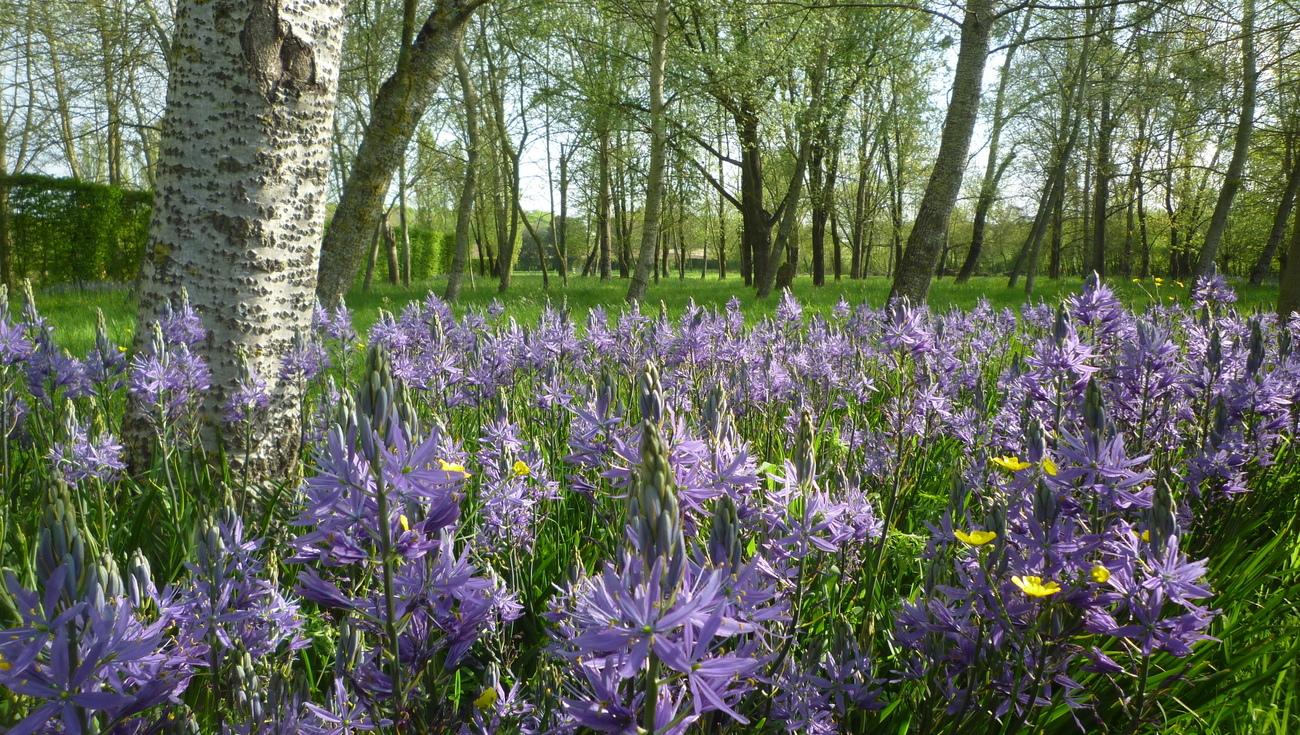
(71, 310)
(813, 514)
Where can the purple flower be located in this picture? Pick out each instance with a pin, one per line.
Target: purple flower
(1212, 290)
(305, 359)
(81, 458)
(249, 399)
(346, 715)
(169, 380)
(180, 324)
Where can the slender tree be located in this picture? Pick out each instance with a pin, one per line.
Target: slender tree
(997, 163)
(912, 276)
(465, 207)
(422, 62)
(1275, 236)
(655, 177)
(1232, 177)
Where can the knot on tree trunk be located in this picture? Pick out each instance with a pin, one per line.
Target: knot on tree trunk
(277, 59)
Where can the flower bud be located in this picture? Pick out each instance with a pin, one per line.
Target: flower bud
(656, 518)
(1094, 410)
(1061, 327)
(1045, 504)
(650, 395)
(805, 452)
(1214, 353)
(139, 581)
(1035, 441)
(724, 535)
(1255, 357)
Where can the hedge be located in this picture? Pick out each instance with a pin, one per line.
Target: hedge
(70, 231)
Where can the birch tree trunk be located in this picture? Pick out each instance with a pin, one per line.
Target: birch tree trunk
(241, 196)
(396, 111)
(912, 277)
(654, 190)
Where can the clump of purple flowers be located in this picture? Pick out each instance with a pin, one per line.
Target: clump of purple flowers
(81, 456)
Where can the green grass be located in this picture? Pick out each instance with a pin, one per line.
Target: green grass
(72, 312)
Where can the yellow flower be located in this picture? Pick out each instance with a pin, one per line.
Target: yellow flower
(403, 522)
(974, 538)
(1049, 466)
(121, 348)
(5, 665)
(1145, 536)
(1099, 574)
(486, 699)
(1159, 281)
(1181, 284)
(1035, 586)
(1010, 463)
(1137, 280)
(446, 466)
(521, 469)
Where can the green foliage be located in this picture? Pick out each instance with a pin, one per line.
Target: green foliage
(426, 252)
(70, 231)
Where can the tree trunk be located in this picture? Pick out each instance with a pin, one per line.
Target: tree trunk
(838, 248)
(1288, 300)
(541, 250)
(241, 200)
(1232, 178)
(755, 221)
(622, 225)
(1058, 231)
(1265, 262)
(562, 231)
(818, 214)
(782, 247)
(822, 190)
(994, 168)
(1105, 130)
(390, 251)
(1101, 190)
(6, 248)
(58, 83)
(404, 231)
(859, 223)
(912, 277)
(394, 115)
(465, 208)
(372, 258)
(722, 219)
(655, 177)
(603, 224)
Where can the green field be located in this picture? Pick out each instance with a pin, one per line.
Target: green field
(72, 311)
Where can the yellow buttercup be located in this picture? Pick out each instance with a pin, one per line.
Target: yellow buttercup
(1049, 466)
(446, 466)
(1034, 586)
(1010, 463)
(486, 699)
(974, 538)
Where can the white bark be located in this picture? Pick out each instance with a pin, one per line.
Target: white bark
(240, 198)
